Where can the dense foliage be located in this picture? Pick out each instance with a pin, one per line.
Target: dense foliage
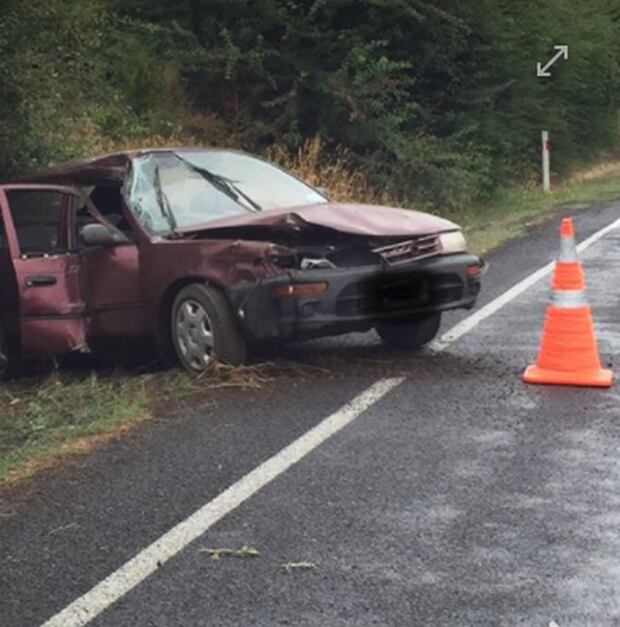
(439, 100)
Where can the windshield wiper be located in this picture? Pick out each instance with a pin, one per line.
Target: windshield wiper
(164, 204)
(221, 183)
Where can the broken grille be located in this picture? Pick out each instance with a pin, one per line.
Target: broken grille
(408, 251)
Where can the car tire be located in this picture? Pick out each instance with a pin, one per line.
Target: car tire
(411, 333)
(204, 329)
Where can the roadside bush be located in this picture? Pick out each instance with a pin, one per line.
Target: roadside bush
(68, 86)
(435, 103)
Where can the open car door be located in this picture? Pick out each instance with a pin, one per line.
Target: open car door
(48, 284)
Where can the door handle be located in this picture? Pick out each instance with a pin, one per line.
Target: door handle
(41, 281)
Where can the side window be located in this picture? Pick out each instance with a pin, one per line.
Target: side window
(38, 219)
(108, 201)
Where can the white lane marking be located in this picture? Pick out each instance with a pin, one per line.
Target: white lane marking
(120, 582)
(147, 561)
(495, 305)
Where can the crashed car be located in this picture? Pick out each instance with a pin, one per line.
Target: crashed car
(208, 253)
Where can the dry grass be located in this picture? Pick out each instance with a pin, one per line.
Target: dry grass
(332, 170)
(243, 552)
(595, 172)
(290, 567)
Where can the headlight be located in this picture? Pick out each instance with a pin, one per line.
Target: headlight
(452, 242)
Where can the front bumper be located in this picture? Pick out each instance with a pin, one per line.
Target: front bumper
(356, 298)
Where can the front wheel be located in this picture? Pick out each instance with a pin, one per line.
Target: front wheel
(204, 329)
(411, 333)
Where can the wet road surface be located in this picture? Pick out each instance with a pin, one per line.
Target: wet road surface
(460, 497)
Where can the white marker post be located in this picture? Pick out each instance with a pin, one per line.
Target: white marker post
(545, 162)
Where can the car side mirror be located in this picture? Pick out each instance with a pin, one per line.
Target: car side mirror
(100, 235)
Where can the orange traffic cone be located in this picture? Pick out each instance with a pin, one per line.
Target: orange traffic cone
(568, 354)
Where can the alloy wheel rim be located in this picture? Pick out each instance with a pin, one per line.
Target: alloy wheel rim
(194, 334)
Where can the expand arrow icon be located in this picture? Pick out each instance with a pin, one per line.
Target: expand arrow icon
(543, 71)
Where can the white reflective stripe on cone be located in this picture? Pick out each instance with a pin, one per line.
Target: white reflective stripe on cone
(568, 249)
(568, 299)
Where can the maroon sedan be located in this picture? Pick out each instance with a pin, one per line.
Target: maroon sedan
(206, 253)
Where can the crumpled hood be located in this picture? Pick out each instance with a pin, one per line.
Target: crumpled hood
(355, 219)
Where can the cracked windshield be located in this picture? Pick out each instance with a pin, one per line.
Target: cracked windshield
(169, 190)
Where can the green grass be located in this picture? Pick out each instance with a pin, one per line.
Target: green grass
(46, 418)
(38, 416)
(512, 212)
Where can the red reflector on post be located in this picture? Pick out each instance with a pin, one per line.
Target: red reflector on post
(300, 289)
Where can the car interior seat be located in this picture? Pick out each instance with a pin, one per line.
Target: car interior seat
(109, 202)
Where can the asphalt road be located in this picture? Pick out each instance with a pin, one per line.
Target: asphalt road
(460, 497)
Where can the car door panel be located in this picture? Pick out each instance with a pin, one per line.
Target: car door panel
(52, 311)
(114, 294)
(49, 285)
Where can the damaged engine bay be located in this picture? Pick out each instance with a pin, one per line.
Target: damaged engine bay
(313, 248)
